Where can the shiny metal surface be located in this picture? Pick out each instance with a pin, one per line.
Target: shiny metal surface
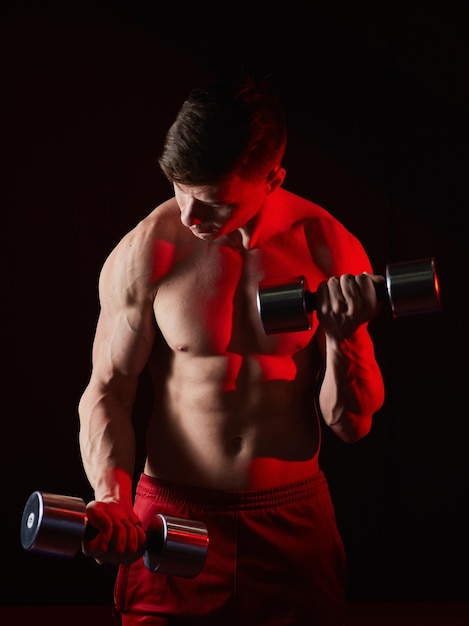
(56, 525)
(282, 306)
(53, 524)
(413, 287)
(176, 546)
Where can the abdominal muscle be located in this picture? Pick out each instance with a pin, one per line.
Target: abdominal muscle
(219, 423)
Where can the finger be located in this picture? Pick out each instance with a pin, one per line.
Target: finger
(96, 543)
(349, 287)
(134, 537)
(368, 286)
(337, 299)
(322, 298)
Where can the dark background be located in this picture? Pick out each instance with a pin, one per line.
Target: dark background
(378, 100)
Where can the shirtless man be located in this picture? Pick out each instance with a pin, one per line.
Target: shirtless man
(234, 435)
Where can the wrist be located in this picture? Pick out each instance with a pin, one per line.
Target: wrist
(114, 485)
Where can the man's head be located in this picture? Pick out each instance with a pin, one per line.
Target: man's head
(225, 128)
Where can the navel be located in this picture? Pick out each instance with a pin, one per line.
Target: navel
(237, 444)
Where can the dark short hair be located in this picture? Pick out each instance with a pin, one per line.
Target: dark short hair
(226, 126)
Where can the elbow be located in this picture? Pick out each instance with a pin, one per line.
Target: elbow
(352, 428)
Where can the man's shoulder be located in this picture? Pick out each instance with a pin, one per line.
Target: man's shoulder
(161, 221)
(161, 214)
(135, 247)
(295, 204)
(332, 243)
(297, 209)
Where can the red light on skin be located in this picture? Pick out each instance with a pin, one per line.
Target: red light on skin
(269, 367)
(276, 367)
(164, 254)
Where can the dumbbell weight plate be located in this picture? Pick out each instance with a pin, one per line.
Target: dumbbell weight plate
(176, 546)
(413, 287)
(283, 306)
(53, 524)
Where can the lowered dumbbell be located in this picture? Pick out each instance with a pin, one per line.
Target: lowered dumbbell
(412, 288)
(56, 525)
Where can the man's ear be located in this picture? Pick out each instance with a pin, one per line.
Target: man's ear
(275, 178)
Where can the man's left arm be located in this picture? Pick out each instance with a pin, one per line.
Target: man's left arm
(352, 388)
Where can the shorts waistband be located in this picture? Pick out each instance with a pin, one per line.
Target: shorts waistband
(207, 498)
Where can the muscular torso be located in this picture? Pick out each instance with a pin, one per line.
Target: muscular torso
(234, 408)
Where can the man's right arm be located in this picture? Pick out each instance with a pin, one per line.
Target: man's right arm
(122, 344)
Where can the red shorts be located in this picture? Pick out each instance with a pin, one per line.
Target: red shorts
(274, 558)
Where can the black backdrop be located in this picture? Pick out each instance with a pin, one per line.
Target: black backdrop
(378, 102)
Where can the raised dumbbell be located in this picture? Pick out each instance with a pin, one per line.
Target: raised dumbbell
(56, 525)
(412, 288)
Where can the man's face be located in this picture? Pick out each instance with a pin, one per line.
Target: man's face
(211, 211)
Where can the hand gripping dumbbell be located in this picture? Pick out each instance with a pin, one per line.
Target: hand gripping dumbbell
(56, 525)
(412, 288)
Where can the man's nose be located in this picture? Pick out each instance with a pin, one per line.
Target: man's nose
(189, 214)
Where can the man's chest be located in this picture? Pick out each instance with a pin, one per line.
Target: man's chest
(208, 303)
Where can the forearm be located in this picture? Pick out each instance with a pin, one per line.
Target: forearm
(352, 388)
(107, 446)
